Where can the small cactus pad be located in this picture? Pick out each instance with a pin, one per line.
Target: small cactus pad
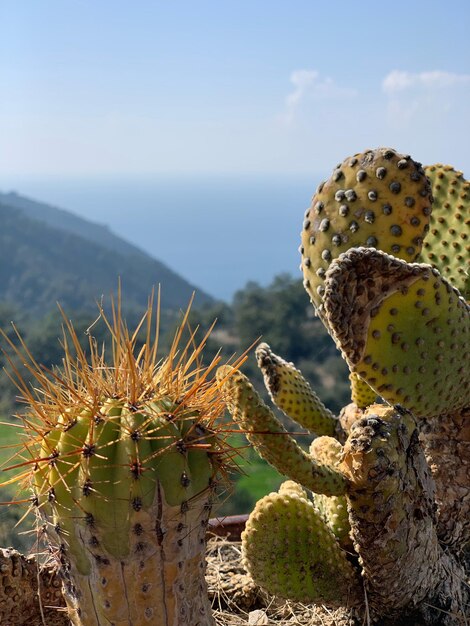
(333, 508)
(289, 551)
(271, 439)
(403, 328)
(291, 393)
(361, 393)
(326, 450)
(292, 488)
(447, 245)
(379, 199)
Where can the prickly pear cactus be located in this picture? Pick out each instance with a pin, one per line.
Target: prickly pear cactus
(122, 458)
(402, 328)
(377, 198)
(388, 276)
(286, 537)
(447, 245)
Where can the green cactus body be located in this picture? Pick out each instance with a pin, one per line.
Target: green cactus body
(291, 552)
(128, 518)
(271, 439)
(126, 457)
(291, 393)
(379, 199)
(447, 245)
(403, 328)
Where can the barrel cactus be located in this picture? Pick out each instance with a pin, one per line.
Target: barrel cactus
(389, 514)
(123, 458)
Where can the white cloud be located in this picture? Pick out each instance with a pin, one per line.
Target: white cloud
(398, 81)
(420, 98)
(309, 85)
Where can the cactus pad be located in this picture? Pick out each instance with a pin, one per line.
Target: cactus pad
(271, 439)
(379, 199)
(291, 393)
(403, 328)
(361, 393)
(334, 509)
(289, 550)
(447, 245)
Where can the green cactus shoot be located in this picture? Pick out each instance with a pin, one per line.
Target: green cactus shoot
(122, 457)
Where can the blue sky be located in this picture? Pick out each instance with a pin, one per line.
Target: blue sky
(111, 87)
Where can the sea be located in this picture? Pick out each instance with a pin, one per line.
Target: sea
(218, 232)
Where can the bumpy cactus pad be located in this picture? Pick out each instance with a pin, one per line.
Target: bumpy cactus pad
(334, 509)
(123, 460)
(274, 444)
(403, 328)
(447, 245)
(289, 550)
(378, 199)
(291, 393)
(361, 393)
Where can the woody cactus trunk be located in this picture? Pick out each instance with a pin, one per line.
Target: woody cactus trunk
(385, 256)
(122, 459)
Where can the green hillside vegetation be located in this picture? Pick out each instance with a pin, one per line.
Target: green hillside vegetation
(75, 262)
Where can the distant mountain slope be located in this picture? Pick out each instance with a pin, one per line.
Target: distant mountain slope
(49, 255)
(65, 220)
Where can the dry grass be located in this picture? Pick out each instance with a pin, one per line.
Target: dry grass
(238, 601)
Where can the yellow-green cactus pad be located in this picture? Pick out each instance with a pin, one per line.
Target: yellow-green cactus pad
(447, 245)
(290, 487)
(334, 509)
(291, 393)
(289, 550)
(361, 393)
(272, 441)
(326, 450)
(379, 199)
(403, 328)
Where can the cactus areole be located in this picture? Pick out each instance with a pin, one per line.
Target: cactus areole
(122, 459)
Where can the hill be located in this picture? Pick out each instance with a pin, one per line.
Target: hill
(48, 255)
